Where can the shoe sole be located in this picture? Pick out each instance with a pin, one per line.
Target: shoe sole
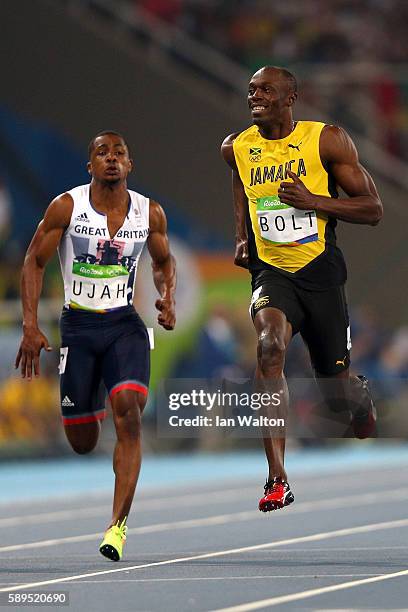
(269, 506)
(110, 552)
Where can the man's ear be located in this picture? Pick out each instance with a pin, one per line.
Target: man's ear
(130, 165)
(292, 98)
(89, 167)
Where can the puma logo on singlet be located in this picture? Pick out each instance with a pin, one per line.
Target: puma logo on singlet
(295, 146)
(341, 361)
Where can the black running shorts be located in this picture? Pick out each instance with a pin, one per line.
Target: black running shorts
(321, 317)
(100, 352)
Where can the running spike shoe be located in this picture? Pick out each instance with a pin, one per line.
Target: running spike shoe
(364, 420)
(112, 544)
(277, 494)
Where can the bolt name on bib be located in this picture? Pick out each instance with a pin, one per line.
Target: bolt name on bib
(284, 225)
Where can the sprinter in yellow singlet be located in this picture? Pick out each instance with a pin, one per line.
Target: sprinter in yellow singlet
(285, 179)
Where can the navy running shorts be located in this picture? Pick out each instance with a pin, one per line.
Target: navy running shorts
(99, 352)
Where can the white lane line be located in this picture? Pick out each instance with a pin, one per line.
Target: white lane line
(343, 548)
(145, 501)
(222, 519)
(51, 517)
(277, 601)
(148, 492)
(196, 499)
(333, 480)
(204, 578)
(326, 535)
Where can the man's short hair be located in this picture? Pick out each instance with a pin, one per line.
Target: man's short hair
(286, 75)
(290, 78)
(91, 145)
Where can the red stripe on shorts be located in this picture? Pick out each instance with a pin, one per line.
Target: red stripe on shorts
(129, 385)
(90, 418)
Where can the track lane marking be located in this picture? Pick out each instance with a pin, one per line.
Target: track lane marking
(193, 499)
(220, 519)
(144, 500)
(282, 599)
(147, 495)
(221, 553)
(171, 502)
(211, 578)
(204, 578)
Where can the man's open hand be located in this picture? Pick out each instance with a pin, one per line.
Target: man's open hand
(32, 342)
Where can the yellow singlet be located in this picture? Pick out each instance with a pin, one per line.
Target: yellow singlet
(285, 237)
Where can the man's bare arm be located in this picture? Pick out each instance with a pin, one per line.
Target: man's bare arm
(338, 151)
(42, 247)
(240, 204)
(163, 264)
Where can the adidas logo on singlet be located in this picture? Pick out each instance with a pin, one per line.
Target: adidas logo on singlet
(67, 402)
(82, 217)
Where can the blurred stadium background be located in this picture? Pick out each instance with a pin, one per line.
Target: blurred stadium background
(172, 76)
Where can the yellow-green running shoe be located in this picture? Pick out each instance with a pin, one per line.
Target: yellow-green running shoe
(112, 544)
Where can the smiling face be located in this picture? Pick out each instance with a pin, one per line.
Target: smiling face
(271, 94)
(109, 160)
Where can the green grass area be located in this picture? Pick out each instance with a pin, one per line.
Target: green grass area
(234, 291)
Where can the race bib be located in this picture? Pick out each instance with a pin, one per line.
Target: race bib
(98, 287)
(63, 359)
(284, 225)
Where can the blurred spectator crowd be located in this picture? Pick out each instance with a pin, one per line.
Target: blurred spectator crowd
(253, 31)
(349, 55)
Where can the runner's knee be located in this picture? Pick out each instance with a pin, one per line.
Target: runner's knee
(83, 438)
(127, 407)
(271, 352)
(82, 448)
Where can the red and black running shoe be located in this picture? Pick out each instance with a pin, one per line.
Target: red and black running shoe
(277, 495)
(364, 420)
